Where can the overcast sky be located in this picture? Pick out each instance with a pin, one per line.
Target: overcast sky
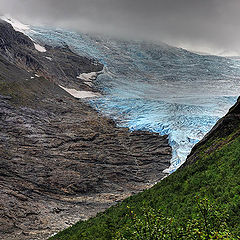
(204, 25)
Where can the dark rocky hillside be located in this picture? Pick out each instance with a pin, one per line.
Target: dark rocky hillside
(61, 161)
(57, 64)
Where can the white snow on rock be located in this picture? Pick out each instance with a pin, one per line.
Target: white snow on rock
(49, 58)
(88, 76)
(90, 84)
(80, 94)
(18, 26)
(39, 47)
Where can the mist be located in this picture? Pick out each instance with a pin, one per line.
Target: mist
(204, 26)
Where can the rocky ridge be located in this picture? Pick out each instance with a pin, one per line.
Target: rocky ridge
(58, 64)
(61, 161)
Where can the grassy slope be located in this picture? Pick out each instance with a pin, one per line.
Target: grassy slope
(215, 174)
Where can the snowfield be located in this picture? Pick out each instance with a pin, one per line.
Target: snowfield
(80, 94)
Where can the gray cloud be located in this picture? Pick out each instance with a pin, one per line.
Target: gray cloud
(204, 25)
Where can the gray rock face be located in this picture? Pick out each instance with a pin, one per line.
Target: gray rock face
(57, 64)
(61, 161)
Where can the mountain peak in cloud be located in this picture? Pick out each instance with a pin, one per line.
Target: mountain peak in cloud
(207, 25)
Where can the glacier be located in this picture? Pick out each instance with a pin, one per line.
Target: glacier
(155, 87)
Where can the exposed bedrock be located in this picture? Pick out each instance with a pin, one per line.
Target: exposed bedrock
(61, 161)
(58, 64)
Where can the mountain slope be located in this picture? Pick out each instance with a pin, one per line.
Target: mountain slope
(60, 160)
(58, 64)
(212, 170)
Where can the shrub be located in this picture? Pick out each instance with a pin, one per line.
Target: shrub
(210, 222)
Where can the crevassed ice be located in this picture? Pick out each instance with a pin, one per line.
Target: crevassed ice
(157, 87)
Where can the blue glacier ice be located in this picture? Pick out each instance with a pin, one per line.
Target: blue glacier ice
(156, 87)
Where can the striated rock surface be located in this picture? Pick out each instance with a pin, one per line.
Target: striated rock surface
(61, 161)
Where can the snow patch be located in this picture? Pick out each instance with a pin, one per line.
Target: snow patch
(49, 58)
(88, 76)
(39, 47)
(80, 94)
(23, 28)
(18, 26)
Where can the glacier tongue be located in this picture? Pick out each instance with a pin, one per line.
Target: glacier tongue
(157, 88)
(184, 124)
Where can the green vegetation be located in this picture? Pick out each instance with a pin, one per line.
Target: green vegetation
(215, 175)
(210, 223)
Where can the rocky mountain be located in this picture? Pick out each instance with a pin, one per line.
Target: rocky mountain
(61, 161)
(57, 64)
